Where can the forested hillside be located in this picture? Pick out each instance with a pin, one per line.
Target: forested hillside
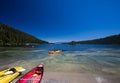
(114, 39)
(12, 37)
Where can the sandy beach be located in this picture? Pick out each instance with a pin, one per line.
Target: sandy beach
(60, 77)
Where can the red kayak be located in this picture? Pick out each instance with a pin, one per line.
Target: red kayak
(33, 76)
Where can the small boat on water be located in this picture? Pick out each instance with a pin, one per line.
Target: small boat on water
(33, 76)
(55, 52)
(8, 75)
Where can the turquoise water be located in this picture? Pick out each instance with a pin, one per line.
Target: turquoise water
(83, 58)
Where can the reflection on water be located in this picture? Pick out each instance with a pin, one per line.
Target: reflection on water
(101, 59)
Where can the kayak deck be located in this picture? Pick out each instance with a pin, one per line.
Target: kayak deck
(10, 74)
(32, 76)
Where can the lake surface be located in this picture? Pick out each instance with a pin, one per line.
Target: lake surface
(82, 58)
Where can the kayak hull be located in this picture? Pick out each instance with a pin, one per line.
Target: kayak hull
(32, 76)
(8, 78)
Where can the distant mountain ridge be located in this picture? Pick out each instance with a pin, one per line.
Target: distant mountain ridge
(114, 39)
(13, 37)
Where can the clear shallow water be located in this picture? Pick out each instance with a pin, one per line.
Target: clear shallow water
(98, 59)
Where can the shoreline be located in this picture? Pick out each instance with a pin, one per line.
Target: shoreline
(61, 77)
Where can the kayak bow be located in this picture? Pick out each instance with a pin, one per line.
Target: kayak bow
(33, 76)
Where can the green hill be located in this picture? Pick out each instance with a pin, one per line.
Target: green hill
(12, 37)
(114, 39)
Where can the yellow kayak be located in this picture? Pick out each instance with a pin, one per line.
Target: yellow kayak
(10, 74)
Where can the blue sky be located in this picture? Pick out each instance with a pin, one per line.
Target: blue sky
(63, 20)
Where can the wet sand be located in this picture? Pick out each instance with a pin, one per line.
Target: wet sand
(61, 77)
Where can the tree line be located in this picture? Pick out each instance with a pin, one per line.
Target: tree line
(12, 37)
(114, 39)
